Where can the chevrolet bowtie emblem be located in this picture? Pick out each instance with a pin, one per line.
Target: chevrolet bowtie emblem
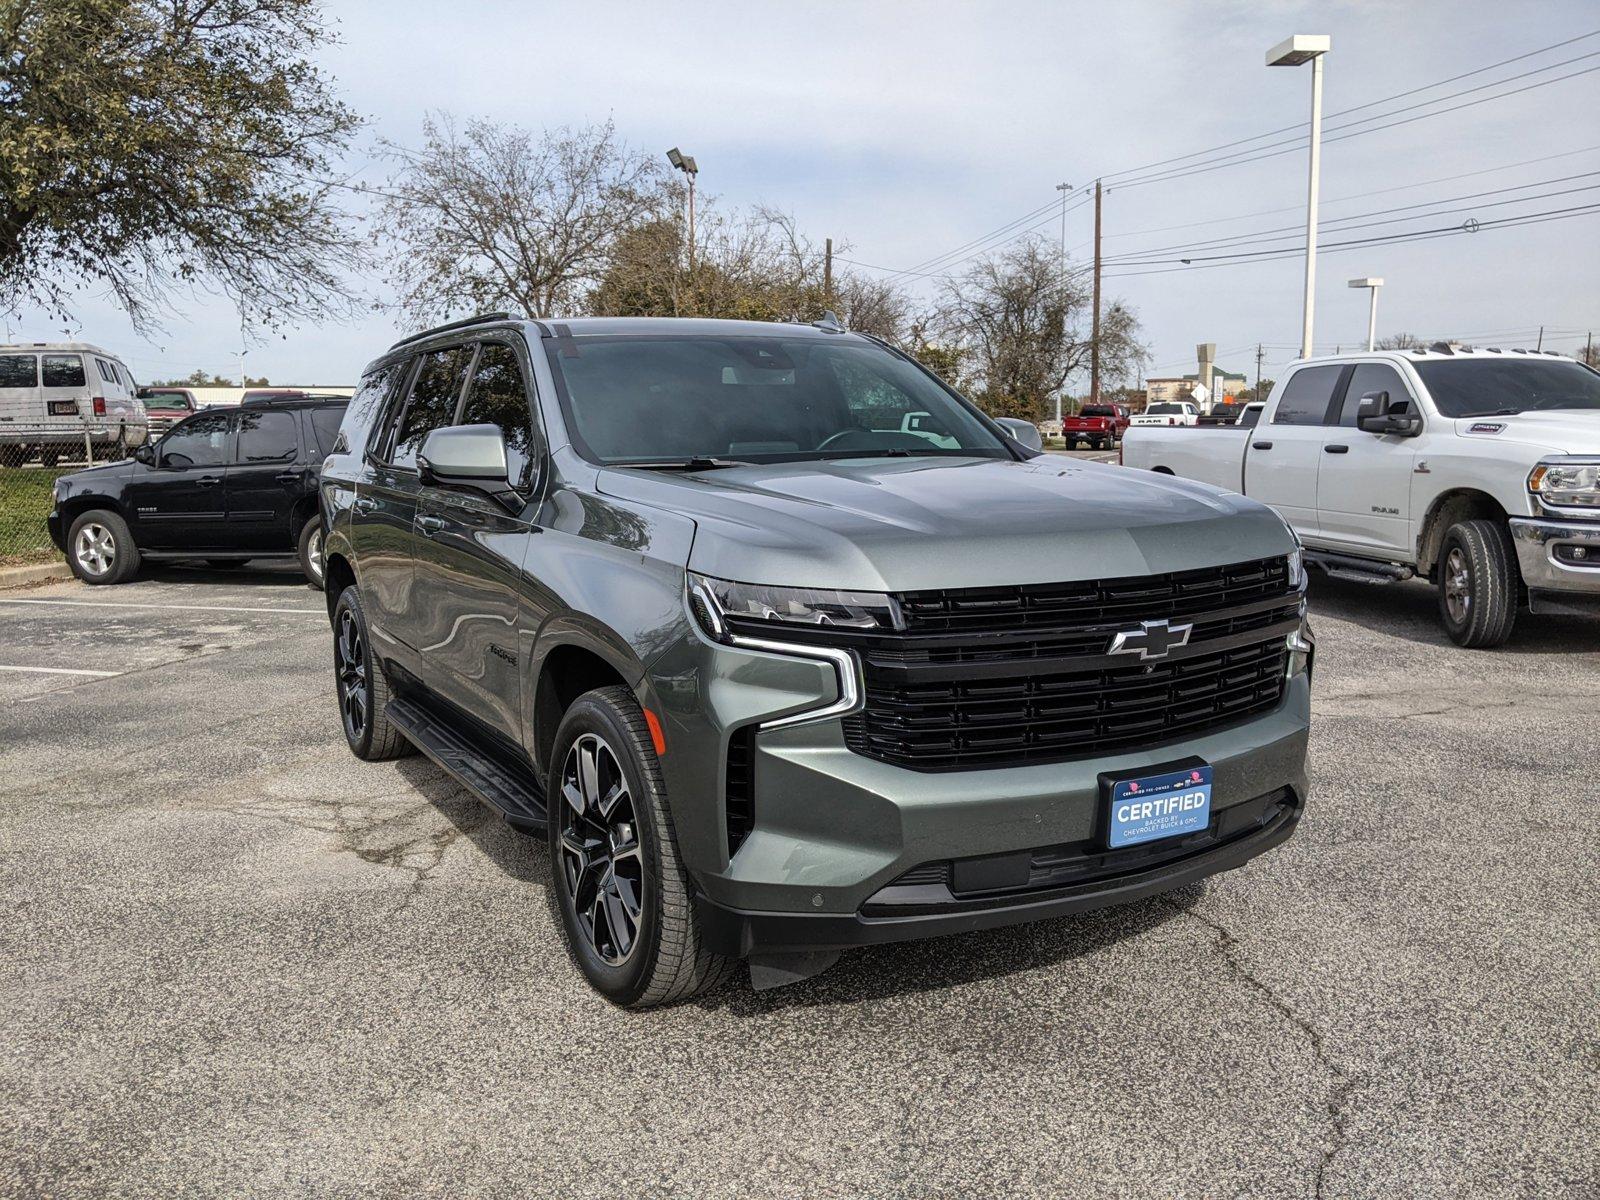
(1153, 639)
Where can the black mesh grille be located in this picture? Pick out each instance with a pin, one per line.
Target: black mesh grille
(993, 677)
(740, 793)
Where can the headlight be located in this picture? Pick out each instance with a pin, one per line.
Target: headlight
(1302, 649)
(1297, 568)
(1567, 482)
(749, 606)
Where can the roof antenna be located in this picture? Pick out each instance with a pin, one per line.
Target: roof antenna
(829, 323)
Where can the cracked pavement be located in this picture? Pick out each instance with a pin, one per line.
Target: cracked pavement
(234, 961)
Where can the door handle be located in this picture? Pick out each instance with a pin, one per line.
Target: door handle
(431, 524)
(207, 481)
(287, 477)
(365, 504)
(1261, 445)
(1336, 449)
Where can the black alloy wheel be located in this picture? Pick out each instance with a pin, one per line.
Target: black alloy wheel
(602, 868)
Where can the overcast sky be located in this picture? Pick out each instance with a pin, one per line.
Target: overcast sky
(908, 129)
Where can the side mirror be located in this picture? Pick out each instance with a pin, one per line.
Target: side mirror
(467, 456)
(145, 454)
(1025, 432)
(1376, 413)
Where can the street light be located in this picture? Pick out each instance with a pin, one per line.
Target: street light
(686, 164)
(1292, 52)
(1372, 285)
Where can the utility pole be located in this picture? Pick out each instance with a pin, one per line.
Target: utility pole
(1541, 338)
(1259, 354)
(827, 272)
(1588, 350)
(1094, 342)
(1063, 188)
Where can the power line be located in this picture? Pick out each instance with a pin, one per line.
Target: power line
(1347, 111)
(1414, 235)
(1295, 144)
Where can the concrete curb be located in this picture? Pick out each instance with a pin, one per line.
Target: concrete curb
(11, 577)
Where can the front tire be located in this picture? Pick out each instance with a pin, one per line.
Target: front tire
(311, 552)
(623, 896)
(1478, 583)
(362, 687)
(100, 548)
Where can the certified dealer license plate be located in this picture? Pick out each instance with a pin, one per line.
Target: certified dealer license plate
(1159, 806)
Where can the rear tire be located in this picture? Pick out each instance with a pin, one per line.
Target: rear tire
(100, 548)
(362, 687)
(1478, 584)
(623, 897)
(311, 561)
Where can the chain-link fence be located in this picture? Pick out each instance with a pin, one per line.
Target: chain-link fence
(32, 457)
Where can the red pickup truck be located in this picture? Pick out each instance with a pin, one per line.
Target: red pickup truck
(1101, 425)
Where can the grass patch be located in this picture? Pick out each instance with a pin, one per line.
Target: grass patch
(25, 496)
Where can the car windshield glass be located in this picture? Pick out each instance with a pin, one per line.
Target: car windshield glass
(1496, 387)
(756, 399)
(163, 400)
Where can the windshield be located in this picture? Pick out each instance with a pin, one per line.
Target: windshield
(164, 400)
(1503, 387)
(756, 399)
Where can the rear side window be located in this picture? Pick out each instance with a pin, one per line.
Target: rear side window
(1249, 417)
(433, 400)
(1369, 378)
(325, 425)
(1307, 395)
(63, 370)
(199, 442)
(19, 371)
(497, 397)
(127, 379)
(105, 370)
(266, 437)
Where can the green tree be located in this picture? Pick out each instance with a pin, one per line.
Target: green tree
(149, 145)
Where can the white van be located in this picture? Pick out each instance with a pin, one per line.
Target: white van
(54, 395)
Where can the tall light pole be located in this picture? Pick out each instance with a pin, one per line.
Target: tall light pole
(1292, 52)
(1372, 285)
(1063, 188)
(686, 164)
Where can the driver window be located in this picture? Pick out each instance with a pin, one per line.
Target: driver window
(1369, 378)
(497, 396)
(199, 442)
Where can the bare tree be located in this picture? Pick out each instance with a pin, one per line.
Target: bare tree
(490, 216)
(1023, 319)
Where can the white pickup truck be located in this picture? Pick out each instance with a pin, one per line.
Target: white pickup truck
(1476, 469)
(1168, 413)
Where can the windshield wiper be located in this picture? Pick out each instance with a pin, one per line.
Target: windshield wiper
(696, 462)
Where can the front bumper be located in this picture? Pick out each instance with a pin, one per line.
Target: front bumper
(1553, 576)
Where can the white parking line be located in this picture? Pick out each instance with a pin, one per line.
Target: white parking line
(63, 671)
(317, 612)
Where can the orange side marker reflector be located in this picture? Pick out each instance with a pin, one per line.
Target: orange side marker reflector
(656, 736)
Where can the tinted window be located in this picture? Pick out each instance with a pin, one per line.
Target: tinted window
(1307, 395)
(1166, 409)
(159, 399)
(433, 401)
(1098, 410)
(1488, 387)
(63, 370)
(762, 399)
(368, 406)
(1368, 378)
(498, 397)
(267, 437)
(199, 442)
(19, 371)
(105, 370)
(325, 425)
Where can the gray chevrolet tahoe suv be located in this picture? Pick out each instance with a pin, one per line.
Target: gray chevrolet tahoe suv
(778, 671)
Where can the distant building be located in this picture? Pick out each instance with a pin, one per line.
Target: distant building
(1181, 387)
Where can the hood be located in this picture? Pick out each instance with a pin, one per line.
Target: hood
(1556, 431)
(913, 524)
(98, 475)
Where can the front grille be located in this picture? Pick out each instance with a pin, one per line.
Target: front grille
(994, 677)
(1055, 717)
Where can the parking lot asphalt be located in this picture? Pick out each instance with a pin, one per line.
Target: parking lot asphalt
(235, 961)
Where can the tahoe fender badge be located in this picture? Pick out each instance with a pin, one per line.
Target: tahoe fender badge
(1153, 639)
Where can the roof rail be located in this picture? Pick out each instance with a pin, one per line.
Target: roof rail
(480, 319)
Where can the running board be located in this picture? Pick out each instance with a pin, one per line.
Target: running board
(513, 794)
(1358, 570)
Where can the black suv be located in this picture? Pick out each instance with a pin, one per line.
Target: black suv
(225, 485)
